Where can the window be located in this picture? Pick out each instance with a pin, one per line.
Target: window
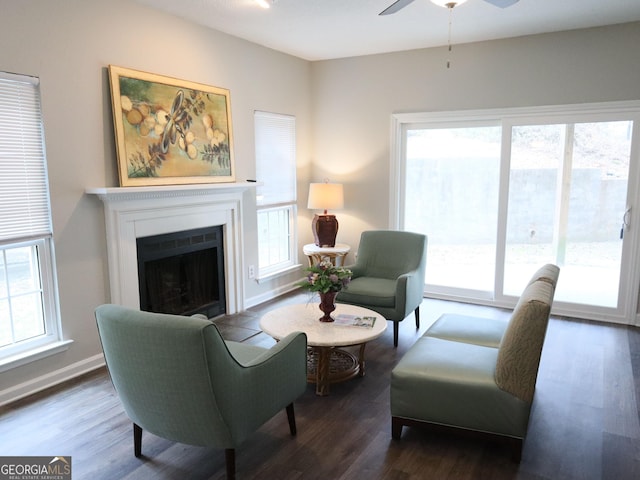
(448, 170)
(29, 320)
(502, 192)
(276, 199)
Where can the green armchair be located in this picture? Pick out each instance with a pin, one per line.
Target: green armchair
(388, 276)
(178, 379)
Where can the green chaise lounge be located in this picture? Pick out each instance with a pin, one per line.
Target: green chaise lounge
(476, 374)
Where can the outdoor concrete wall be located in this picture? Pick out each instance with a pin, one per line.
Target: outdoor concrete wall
(458, 204)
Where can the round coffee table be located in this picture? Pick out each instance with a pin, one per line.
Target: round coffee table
(326, 364)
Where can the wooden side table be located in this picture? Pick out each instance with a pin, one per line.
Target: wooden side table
(335, 255)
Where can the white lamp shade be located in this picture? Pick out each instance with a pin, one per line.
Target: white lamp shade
(325, 196)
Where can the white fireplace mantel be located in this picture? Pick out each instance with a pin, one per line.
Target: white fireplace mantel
(133, 212)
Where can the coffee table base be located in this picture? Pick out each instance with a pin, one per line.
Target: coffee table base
(327, 365)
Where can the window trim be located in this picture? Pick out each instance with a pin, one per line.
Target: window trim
(51, 341)
(508, 117)
(273, 121)
(34, 354)
(268, 273)
(37, 233)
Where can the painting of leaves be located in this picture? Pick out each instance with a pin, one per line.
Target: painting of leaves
(170, 131)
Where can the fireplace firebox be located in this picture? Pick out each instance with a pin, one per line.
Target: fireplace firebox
(182, 272)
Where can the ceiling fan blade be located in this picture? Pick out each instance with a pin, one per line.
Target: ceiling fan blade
(502, 3)
(395, 6)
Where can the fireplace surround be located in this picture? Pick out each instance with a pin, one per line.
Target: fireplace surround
(136, 212)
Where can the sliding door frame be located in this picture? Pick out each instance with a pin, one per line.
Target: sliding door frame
(627, 309)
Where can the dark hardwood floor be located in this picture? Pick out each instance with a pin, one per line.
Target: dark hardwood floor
(584, 424)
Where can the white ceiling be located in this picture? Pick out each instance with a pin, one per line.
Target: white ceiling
(328, 29)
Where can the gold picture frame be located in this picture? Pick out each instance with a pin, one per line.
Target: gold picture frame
(170, 131)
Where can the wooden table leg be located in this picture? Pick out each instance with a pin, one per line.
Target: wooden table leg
(361, 360)
(322, 370)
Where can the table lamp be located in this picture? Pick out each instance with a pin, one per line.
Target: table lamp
(325, 196)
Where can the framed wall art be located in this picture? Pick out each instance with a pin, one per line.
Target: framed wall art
(170, 131)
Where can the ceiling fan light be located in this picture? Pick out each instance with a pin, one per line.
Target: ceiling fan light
(447, 3)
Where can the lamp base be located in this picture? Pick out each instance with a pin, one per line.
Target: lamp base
(325, 229)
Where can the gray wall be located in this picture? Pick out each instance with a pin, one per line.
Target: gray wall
(69, 44)
(353, 99)
(343, 110)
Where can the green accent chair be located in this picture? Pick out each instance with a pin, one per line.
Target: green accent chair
(476, 375)
(178, 379)
(388, 276)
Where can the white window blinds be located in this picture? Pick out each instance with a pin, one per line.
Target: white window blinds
(275, 158)
(24, 195)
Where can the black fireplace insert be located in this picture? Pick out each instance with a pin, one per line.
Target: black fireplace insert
(183, 272)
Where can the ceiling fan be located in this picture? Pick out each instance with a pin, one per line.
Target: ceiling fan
(400, 4)
(450, 4)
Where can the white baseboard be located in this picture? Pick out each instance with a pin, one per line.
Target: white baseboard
(51, 379)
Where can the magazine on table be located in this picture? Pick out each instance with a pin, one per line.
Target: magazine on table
(355, 320)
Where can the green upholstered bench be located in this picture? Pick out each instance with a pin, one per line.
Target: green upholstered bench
(476, 374)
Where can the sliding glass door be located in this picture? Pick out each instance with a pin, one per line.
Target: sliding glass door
(501, 195)
(451, 193)
(567, 205)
